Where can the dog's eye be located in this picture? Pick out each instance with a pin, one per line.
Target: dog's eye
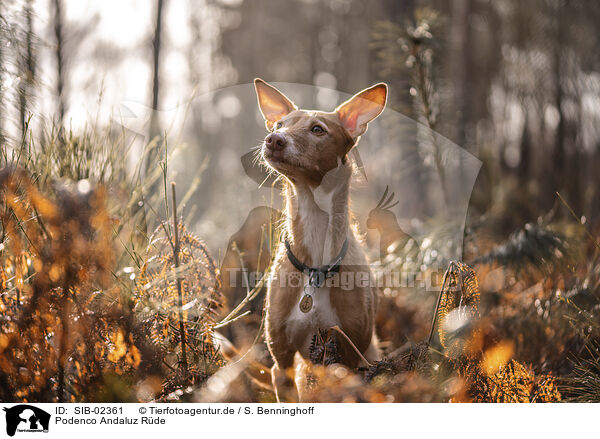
(317, 129)
(278, 125)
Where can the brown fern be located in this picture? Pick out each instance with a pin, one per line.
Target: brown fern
(459, 291)
(63, 325)
(180, 295)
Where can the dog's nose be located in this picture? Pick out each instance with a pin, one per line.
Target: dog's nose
(275, 142)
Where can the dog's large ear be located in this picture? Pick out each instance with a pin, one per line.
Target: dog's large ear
(272, 103)
(362, 108)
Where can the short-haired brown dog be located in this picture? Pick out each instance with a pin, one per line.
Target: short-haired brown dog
(310, 149)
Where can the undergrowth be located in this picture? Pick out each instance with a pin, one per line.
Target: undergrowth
(94, 307)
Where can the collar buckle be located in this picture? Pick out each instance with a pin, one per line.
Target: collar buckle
(317, 275)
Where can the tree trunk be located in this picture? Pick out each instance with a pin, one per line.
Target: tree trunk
(60, 59)
(156, 46)
(559, 155)
(154, 129)
(2, 43)
(27, 70)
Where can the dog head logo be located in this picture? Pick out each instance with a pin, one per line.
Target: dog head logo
(27, 418)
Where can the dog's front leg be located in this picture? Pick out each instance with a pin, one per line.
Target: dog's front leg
(281, 373)
(283, 385)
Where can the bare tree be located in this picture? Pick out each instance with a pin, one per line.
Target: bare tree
(27, 68)
(154, 129)
(156, 47)
(2, 63)
(59, 54)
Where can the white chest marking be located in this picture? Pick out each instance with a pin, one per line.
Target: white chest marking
(316, 213)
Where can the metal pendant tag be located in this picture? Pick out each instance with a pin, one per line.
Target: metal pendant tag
(306, 303)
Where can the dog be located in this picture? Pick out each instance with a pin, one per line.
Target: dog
(309, 150)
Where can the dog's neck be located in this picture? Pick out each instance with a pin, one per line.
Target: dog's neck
(318, 220)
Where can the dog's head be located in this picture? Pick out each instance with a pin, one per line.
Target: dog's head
(304, 145)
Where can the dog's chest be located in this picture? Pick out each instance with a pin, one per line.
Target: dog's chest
(302, 326)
